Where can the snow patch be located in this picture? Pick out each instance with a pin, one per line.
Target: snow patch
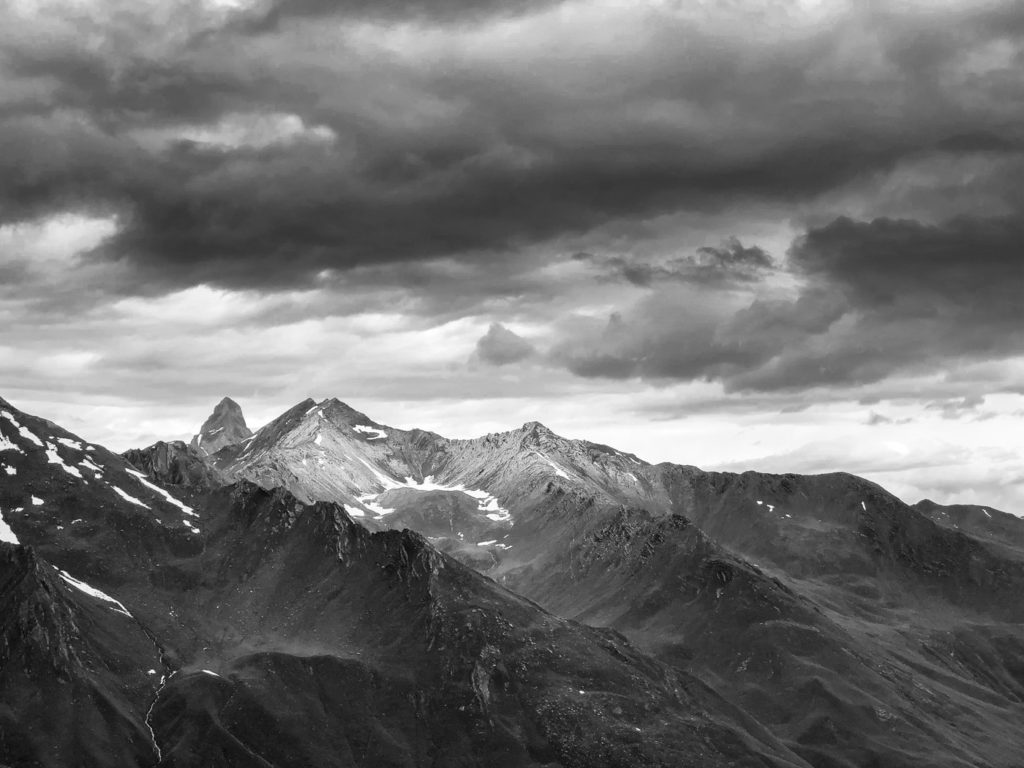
(37, 502)
(69, 443)
(208, 672)
(54, 458)
(373, 432)
(369, 501)
(23, 431)
(128, 498)
(558, 470)
(81, 586)
(87, 464)
(485, 502)
(170, 499)
(864, 506)
(6, 534)
(486, 543)
(771, 507)
(760, 503)
(319, 439)
(986, 513)
(7, 445)
(10, 470)
(383, 479)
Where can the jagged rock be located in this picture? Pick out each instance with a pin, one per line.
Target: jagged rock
(225, 426)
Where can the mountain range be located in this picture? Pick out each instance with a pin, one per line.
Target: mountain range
(333, 591)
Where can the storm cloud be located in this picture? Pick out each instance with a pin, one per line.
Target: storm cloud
(392, 134)
(667, 208)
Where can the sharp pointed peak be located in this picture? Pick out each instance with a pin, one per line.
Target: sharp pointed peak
(535, 426)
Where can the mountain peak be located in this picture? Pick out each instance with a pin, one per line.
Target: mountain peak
(227, 404)
(536, 429)
(225, 426)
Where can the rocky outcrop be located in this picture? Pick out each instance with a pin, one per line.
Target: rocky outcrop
(225, 426)
(174, 463)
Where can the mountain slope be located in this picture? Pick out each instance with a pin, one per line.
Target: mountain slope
(282, 634)
(307, 602)
(866, 634)
(77, 673)
(225, 426)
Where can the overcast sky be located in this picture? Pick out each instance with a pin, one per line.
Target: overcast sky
(778, 234)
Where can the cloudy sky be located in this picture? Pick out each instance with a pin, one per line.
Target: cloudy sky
(771, 234)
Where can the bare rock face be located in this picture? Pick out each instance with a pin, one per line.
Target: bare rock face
(174, 463)
(226, 426)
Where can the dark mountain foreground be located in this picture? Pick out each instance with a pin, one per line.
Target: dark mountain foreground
(332, 591)
(857, 629)
(203, 624)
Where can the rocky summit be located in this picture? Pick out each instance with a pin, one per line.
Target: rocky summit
(334, 591)
(225, 426)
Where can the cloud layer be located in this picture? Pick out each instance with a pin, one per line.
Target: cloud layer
(777, 200)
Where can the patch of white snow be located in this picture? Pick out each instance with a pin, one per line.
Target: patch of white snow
(128, 498)
(24, 432)
(54, 458)
(558, 470)
(69, 443)
(486, 543)
(170, 499)
(373, 432)
(37, 502)
(81, 586)
(10, 470)
(6, 534)
(88, 464)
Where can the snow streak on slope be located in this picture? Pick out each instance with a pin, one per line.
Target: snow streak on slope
(486, 503)
(54, 458)
(170, 499)
(23, 431)
(128, 498)
(6, 534)
(81, 586)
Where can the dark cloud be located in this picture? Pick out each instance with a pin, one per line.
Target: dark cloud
(270, 17)
(501, 346)
(957, 408)
(731, 262)
(877, 419)
(455, 142)
(878, 298)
